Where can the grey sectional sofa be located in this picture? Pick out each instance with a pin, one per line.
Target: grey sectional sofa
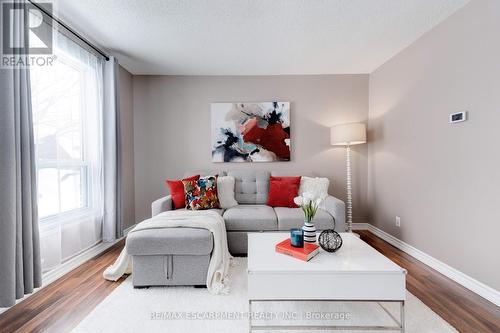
(180, 256)
(252, 214)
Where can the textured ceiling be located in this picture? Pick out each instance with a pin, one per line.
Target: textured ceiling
(254, 37)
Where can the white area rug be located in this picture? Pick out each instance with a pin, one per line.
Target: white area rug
(191, 310)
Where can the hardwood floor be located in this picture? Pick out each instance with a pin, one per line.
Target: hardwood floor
(460, 307)
(60, 306)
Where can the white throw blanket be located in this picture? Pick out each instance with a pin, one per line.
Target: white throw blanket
(206, 219)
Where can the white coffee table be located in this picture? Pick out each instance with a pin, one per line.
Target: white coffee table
(356, 272)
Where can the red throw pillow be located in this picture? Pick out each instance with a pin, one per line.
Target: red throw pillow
(282, 191)
(177, 191)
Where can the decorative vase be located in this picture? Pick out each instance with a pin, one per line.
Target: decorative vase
(309, 232)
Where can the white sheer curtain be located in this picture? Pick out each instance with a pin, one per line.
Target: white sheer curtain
(68, 123)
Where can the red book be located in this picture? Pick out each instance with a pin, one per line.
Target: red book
(303, 253)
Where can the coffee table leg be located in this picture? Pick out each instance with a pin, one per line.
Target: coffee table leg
(250, 316)
(401, 322)
(402, 309)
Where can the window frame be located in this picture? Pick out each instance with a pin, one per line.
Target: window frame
(88, 210)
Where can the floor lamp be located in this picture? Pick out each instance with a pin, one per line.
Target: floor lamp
(348, 135)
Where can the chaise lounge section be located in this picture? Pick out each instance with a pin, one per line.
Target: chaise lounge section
(170, 257)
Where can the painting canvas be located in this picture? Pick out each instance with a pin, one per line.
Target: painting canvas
(251, 132)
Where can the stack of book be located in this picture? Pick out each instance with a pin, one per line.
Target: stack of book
(303, 253)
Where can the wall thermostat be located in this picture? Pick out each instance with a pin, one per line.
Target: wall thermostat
(458, 117)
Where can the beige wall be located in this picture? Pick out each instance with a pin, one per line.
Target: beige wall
(127, 140)
(172, 127)
(442, 179)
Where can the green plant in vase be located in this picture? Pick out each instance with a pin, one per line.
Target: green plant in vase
(309, 206)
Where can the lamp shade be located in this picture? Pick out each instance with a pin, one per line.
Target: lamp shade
(348, 134)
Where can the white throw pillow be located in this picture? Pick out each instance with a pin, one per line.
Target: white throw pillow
(225, 192)
(317, 186)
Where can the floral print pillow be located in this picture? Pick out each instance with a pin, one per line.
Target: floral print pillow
(201, 193)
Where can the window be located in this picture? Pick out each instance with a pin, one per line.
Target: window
(59, 124)
(67, 109)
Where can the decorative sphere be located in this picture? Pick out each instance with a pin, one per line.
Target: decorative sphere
(330, 240)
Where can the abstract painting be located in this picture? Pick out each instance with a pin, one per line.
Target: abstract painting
(251, 132)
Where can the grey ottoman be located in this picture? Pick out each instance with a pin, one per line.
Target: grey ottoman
(170, 256)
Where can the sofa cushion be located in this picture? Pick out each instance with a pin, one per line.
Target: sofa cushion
(250, 187)
(225, 192)
(294, 218)
(177, 191)
(250, 218)
(317, 187)
(178, 241)
(282, 191)
(201, 194)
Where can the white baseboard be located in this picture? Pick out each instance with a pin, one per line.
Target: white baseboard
(360, 226)
(468, 282)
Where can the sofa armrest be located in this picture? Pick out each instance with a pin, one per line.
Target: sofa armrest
(336, 208)
(161, 205)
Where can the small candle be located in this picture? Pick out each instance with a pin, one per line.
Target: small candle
(297, 237)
